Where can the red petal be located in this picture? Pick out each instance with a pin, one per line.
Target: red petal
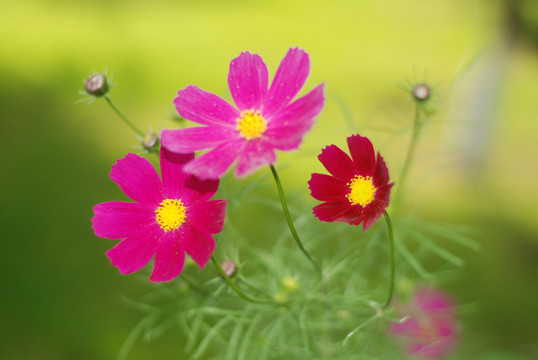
(327, 188)
(338, 163)
(362, 152)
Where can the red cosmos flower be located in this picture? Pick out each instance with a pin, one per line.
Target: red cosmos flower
(358, 190)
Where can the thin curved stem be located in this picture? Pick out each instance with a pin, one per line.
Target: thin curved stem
(417, 126)
(234, 286)
(123, 117)
(392, 262)
(290, 222)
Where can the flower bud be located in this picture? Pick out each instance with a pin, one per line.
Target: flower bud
(290, 283)
(96, 85)
(150, 141)
(229, 267)
(421, 92)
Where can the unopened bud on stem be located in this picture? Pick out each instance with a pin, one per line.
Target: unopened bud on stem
(96, 85)
(150, 141)
(229, 267)
(421, 92)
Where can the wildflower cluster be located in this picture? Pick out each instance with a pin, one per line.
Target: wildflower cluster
(174, 214)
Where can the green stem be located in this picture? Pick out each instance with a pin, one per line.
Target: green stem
(392, 263)
(290, 222)
(417, 126)
(236, 288)
(123, 117)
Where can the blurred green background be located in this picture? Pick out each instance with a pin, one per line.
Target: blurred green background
(477, 163)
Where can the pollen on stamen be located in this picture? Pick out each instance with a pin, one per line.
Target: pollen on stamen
(170, 214)
(251, 125)
(362, 190)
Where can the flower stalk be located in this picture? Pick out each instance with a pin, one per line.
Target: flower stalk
(234, 286)
(123, 117)
(392, 262)
(290, 222)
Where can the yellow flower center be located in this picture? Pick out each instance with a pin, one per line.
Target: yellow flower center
(362, 190)
(170, 214)
(251, 125)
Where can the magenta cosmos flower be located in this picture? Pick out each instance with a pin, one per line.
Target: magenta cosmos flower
(429, 327)
(168, 218)
(265, 119)
(357, 191)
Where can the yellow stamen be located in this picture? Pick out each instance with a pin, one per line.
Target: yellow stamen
(170, 214)
(251, 125)
(362, 190)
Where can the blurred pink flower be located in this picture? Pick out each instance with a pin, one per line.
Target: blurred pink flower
(265, 119)
(168, 218)
(429, 328)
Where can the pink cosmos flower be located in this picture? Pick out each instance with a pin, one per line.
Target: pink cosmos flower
(429, 331)
(357, 191)
(265, 119)
(168, 218)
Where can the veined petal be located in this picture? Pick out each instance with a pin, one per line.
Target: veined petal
(205, 108)
(137, 178)
(289, 125)
(196, 190)
(133, 253)
(247, 80)
(381, 173)
(371, 213)
(331, 211)
(362, 153)
(327, 188)
(382, 195)
(118, 220)
(209, 215)
(181, 185)
(288, 81)
(214, 164)
(198, 243)
(169, 258)
(172, 172)
(256, 154)
(196, 138)
(338, 163)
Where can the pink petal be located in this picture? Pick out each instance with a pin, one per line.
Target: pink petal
(327, 188)
(198, 243)
(197, 138)
(288, 127)
(362, 152)
(338, 163)
(137, 178)
(133, 253)
(256, 154)
(172, 165)
(248, 80)
(118, 220)
(181, 185)
(205, 108)
(169, 258)
(196, 190)
(208, 215)
(288, 81)
(381, 173)
(214, 164)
